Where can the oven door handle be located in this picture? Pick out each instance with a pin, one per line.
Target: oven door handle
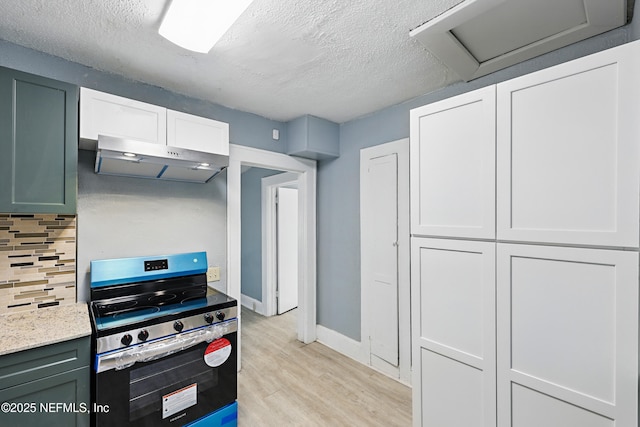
(147, 352)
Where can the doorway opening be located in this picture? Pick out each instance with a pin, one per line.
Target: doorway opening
(305, 171)
(280, 243)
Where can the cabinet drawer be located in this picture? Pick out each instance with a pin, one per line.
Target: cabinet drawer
(30, 365)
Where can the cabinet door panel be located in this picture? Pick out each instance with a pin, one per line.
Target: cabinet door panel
(39, 142)
(57, 400)
(568, 158)
(197, 133)
(448, 386)
(453, 166)
(453, 297)
(568, 329)
(111, 115)
(534, 409)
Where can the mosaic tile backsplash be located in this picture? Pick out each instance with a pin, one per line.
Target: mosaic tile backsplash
(37, 261)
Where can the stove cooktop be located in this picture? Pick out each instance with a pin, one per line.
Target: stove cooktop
(112, 315)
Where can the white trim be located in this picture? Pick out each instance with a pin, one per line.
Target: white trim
(352, 349)
(269, 270)
(401, 148)
(342, 344)
(252, 304)
(239, 156)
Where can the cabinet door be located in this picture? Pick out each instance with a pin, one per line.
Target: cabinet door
(59, 400)
(453, 166)
(453, 324)
(39, 144)
(567, 325)
(197, 133)
(568, 158)
(111, 115)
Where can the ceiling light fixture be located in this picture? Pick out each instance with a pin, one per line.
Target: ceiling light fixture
(197, 25)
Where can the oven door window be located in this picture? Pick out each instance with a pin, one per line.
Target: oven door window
(153, 388)
(174, 390)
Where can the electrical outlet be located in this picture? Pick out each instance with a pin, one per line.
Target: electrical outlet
(213, 274)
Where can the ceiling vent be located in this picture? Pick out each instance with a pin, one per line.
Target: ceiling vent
(478, 37)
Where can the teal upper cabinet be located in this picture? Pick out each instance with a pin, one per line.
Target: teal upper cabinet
(39, 144)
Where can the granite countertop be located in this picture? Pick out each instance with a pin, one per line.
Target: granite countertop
(37, 328)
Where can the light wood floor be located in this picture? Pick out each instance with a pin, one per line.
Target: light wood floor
(284, 382)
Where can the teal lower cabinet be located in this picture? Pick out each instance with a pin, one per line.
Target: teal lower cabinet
(46, 386)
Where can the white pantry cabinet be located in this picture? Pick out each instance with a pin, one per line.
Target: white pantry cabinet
(111, 115)
(453, 297)
(568, 152)
(453, 166)
(566, 186)
(567, 336)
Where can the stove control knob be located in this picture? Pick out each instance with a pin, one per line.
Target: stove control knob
(126, 339)
(208, 318)
(220, 315)
(143, 335)
(178, 326)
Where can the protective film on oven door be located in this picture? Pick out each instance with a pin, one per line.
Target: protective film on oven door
(172, 381)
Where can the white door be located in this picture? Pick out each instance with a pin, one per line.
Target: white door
(382, 284)
(453, 308)
(384, 246)
(567, 325)
(287, 247)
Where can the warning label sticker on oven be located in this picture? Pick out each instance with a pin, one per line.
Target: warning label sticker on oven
(178, 400)
(217, 352)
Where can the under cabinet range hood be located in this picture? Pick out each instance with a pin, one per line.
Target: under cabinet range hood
(126, 157)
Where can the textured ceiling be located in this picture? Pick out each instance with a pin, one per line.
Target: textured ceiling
(335, 59)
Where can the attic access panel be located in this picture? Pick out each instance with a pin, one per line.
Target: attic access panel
(478, 37)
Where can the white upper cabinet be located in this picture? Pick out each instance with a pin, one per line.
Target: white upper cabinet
(110, 115)
(453, 166)
(197, 133)
(567, 152)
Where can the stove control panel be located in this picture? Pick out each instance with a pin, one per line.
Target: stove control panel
(136, 336)
(158, 264)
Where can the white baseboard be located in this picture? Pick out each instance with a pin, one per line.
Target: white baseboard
(252, 304)
(341, 343)
(356, 351)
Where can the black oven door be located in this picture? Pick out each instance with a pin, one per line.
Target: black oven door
(169, 382)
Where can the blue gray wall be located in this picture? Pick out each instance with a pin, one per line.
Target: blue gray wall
(120, 217)
(339, 181)
(251, 240)
(244, 128)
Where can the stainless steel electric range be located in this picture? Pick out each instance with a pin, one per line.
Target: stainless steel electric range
(164, 344)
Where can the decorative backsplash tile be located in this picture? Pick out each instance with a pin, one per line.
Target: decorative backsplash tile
(37, 261)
